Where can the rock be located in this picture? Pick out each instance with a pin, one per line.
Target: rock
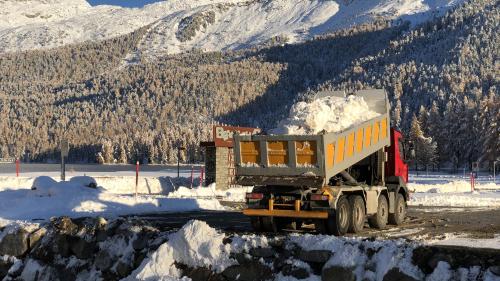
(62, 245)
(64, 225)
(138, 258)
(396, 275)
(337, 273)
(35, 237)
(296, 272)
(103, 260)
(142, 240)
(14, 243)
(81, 248)
(495, 270)
(199, 274)
(123, 269)
(262, 252)
(5, 265)
(434, 260)
(16, 269)
(241, 258)
(315, 256)
(250, 271)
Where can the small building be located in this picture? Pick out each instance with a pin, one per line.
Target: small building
(219, 155)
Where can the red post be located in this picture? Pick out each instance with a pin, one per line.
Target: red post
(472, 182)
(17, 167)
(192, 176)
(202, 171)
(136, 177)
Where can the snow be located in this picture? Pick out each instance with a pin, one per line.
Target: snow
(73, 198)
(451, 239)
(456, 193)
(196, 244)
(233, 194)
(42, 24)
(329, 114)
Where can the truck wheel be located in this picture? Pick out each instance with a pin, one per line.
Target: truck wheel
(379, 220)
(256, 223)
(338, 223)
(357, 213)
(399, 211)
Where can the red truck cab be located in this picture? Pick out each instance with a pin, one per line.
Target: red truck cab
(395, 165)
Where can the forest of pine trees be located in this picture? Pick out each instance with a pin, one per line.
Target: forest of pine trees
(442, 78)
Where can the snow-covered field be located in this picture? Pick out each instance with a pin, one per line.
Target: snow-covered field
(115, 195)
(443, 190)
(212, 24)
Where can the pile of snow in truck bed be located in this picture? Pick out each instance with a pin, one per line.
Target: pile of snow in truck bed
(329, 114)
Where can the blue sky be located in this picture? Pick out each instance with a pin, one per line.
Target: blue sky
(123, 3)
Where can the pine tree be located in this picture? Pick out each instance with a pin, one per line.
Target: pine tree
(425, 148)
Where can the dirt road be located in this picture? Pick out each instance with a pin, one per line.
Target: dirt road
(421, 222)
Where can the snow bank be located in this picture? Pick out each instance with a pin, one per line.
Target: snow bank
(74, 198)
(454, 194)
(234, 194)
(451, 186)
(330, 114)
(452, 239)
(196, 244)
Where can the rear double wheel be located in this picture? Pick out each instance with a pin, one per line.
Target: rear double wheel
(339, 220)
(357, 217)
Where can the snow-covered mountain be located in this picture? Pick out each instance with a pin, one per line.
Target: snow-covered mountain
(180, 25)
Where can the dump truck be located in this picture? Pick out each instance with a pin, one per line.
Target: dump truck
(334, 181)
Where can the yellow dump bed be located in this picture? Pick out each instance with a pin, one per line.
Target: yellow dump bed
(310, 160)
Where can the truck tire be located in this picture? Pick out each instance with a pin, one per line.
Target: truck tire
(357, 205)
(399, 211)
(338, 223)
(379, 220)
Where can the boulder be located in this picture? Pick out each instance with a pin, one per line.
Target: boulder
(314, 256)
(64, 225)
(396, 275)
(35, 237)
(5, 265)
(199, 274)
(261, 252)
(103, 260)
(250, 271)
(82, 248)
(296, 272)
(338, 273)
(495, 270)
(14, 242)
(123, 269)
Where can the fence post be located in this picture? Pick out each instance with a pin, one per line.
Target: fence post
(472, 182)
(136, 177)
(17, 167)
(192, 176)
(202, 171)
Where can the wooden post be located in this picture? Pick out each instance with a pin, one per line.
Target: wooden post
(17, 167)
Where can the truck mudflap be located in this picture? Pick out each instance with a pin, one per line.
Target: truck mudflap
(295, 213)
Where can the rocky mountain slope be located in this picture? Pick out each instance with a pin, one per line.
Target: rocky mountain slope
(209, 25)
(443, 71)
